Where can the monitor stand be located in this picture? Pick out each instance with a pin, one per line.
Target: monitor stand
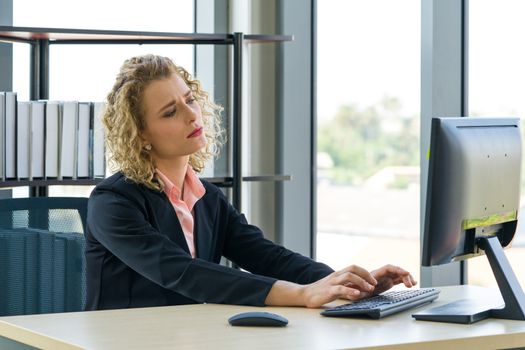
(470, 311)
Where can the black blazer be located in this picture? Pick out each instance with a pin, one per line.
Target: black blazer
(137, 256)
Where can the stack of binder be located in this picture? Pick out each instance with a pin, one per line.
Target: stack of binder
(50, 139)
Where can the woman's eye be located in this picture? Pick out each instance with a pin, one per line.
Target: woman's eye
(170, 113)
(190, 101)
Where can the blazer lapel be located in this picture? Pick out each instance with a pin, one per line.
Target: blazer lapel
(168, 222)
(203, 229)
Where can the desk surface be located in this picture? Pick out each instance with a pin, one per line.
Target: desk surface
(206, 326)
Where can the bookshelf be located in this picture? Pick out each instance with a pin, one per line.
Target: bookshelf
(40, 40)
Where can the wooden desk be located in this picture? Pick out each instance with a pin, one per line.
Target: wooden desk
(206, 327)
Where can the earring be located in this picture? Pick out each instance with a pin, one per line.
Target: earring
(147, 147)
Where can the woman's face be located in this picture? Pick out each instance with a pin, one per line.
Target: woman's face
(173, 119)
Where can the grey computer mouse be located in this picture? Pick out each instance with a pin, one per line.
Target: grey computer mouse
(258, 319)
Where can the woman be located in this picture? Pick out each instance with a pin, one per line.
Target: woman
(156, 232)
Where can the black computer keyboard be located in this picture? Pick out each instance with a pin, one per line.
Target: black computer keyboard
(385, 304)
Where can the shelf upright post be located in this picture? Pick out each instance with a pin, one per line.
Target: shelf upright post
(39, 89)
(39, 70)
(238, 39)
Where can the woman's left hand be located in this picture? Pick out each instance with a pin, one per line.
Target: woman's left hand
(387, 277)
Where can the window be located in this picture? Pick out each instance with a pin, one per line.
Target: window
(496, 75)
(368, 85)
(87, 72)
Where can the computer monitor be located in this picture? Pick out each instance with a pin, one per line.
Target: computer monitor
(472, 207)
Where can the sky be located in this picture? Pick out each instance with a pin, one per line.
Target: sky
(371, 49)
(367, 50)
(158, 15)
(496, 57)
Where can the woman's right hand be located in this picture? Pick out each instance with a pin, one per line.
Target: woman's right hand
(348, 283)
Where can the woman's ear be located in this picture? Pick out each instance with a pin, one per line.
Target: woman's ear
(146, 145)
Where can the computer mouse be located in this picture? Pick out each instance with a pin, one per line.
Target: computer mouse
(258, 319)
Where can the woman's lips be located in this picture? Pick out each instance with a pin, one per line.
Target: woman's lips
(195, 133)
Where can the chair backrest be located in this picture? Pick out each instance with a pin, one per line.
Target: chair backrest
(42, 264)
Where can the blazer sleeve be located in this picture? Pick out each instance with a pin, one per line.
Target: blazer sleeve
(120, 224)
(246, 246)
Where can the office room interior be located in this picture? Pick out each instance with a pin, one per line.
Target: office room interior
(335, 120)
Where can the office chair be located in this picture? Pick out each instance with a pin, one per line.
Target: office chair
(42, 264)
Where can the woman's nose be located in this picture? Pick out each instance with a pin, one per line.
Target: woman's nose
(191, 113)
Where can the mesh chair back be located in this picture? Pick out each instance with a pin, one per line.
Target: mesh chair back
(42, 264)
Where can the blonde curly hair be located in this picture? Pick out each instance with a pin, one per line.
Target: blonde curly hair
(123, 118)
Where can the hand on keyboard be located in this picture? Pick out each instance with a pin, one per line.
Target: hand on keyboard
(354, 283)
(387, 277)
